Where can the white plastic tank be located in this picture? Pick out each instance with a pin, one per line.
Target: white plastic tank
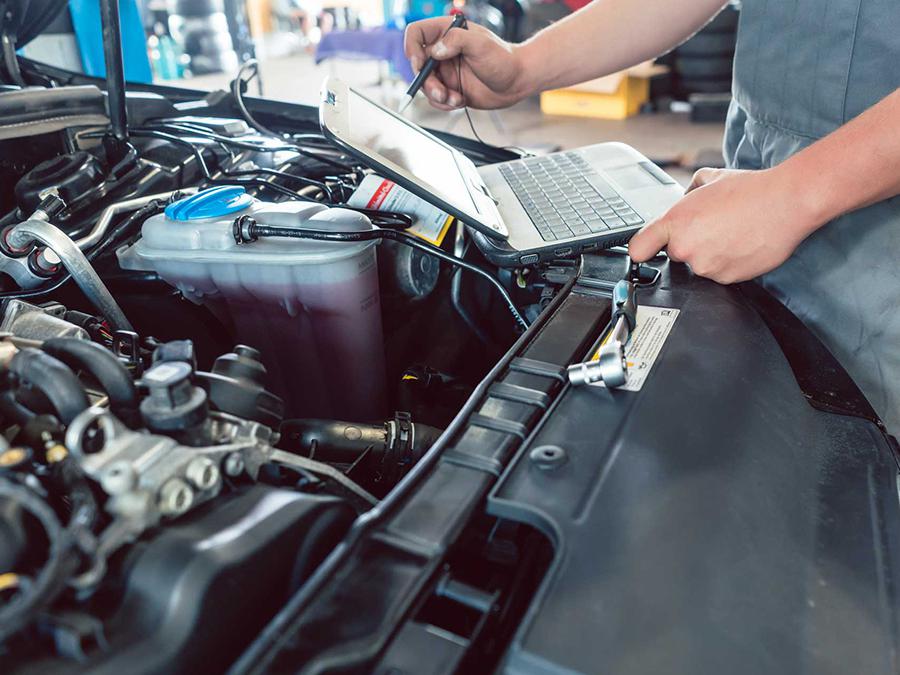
(311, 308)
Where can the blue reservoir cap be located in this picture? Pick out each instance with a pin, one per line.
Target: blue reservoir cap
(211, 203)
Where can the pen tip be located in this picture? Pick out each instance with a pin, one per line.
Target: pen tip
(404, 103)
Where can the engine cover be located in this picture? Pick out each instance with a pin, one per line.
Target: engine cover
(198, 592)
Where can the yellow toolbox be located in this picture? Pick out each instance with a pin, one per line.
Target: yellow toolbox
(613, 97)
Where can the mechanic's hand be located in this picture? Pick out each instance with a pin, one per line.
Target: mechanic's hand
(489, 67)
(731, 226)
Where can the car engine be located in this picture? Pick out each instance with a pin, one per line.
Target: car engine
(210, 365)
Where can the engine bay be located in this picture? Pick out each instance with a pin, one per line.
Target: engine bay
(252, 423)
(211, 365)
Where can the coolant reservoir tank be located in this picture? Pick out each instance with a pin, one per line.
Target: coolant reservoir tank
(311, 308)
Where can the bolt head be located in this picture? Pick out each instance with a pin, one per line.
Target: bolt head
(175, 497)
(57, 453)
(548, 457)
(234, 464)
(202, 472)
(118, 478)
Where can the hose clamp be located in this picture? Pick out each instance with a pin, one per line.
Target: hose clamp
(242, 230)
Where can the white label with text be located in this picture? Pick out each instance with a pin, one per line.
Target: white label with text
(653, 327)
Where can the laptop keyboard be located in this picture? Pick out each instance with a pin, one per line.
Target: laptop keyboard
(565, 197)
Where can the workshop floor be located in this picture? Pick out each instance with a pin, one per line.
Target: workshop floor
(666, 138)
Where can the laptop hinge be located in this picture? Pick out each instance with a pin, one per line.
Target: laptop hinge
(487, 193)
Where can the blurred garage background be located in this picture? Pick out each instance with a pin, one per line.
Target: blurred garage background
(672, 109)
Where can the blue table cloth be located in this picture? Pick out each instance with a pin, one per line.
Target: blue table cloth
(381, 44)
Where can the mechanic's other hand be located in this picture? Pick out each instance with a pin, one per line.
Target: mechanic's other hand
(731, 226)
(489, 67)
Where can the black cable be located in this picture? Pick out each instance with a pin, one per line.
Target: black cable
(11, 59)
(282, 174)
(113, 237)
(315, 139)
(247, 145)
(18, 612)
(462, 93)
(237, 92)
(465, 104)
(206, 131)
(196, 129)
(456, 301)
(204, 168)
(52, 378)
(191, 128)
(94, 254)
(246, 229)
(388, 218)
(36, 292)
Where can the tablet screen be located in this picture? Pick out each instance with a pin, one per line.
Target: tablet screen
(409, 147)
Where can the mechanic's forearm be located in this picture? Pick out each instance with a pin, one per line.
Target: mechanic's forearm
(607, 36)
(853, 167)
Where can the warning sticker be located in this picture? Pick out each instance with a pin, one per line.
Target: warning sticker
(375, 192)
(653, 327)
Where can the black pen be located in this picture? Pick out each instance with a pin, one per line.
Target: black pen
(459, 21)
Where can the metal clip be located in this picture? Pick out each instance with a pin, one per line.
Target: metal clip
(126, 346)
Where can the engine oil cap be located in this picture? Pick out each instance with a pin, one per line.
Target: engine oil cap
(212, 203)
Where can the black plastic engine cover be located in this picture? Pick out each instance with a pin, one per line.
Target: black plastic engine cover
(720, 520)
(199, 591)
(715, 521)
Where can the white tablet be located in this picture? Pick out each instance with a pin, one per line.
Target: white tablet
(410, 156)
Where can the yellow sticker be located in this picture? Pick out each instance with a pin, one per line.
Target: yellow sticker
(430, 223)
(443, 233)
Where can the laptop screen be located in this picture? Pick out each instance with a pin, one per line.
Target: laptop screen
(411, 148)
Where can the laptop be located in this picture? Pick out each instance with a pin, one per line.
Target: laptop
(520, 212)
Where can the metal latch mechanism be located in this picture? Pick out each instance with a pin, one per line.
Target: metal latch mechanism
(610, 365)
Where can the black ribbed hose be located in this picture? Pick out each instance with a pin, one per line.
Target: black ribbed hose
(103, 365)
(24, 606)
(54, 379)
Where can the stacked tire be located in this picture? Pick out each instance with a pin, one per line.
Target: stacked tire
(202, 26)
(703, 64)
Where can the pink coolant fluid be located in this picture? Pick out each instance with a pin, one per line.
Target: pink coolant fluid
(324, 352)
(311, 308)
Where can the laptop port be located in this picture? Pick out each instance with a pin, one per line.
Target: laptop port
(563, 252)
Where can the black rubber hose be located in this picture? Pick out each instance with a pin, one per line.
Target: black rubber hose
(102, 364)
(12, 411)
(344, 442)
(334, 440)
(53, 379)
(19, 611)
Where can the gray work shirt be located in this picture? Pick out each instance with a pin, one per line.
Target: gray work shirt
(802, 69)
